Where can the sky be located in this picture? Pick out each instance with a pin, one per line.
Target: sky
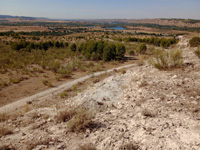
(102, 9)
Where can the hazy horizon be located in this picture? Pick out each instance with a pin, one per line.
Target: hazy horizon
(96, 9)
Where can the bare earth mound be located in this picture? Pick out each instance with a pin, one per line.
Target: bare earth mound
(142, 109)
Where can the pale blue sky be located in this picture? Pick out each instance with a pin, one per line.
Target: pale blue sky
(102, 9)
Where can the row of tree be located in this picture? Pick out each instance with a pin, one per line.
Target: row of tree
(26, 45)
(154, 41)
(101, 50)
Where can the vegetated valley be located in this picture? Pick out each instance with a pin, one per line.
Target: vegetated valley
(154, 104)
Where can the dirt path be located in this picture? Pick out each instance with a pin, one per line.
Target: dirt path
(50, 92)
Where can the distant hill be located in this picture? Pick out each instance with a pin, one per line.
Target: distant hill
(21, 17)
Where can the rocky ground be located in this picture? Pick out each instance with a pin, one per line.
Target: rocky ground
(143, 108)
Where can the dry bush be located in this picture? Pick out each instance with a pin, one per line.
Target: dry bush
(81, 120)
(88, 146)
(123, 71)
(3, 117)
(7, 147)
(32, 144)
(66, 115)
(167, 59)
(197, 52)
(5, 131)
(148, 113)
(129, 146)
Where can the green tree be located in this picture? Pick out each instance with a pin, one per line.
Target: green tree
(143, 48)
(73, 47)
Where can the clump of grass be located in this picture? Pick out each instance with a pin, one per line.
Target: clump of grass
(66, 115)
(74, 88)
(3, 117)
(148, 113)
(129, 146)
(47, 83)
(81, 120)
(7, 147)
(15, 81)
(167, 59)
(65, 72)
(32, 144)
(123, 71)
(87, 146)
(197, 52)
(63, 94)
(5, 131)
(26, 108)
(3, 84)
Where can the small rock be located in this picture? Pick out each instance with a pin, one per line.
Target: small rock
(61, 146)
(23, 134)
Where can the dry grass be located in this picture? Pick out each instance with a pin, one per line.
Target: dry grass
(81, 120)
(123, 71)
(129, 146)
(32, 144)
(3, 117)
(148, 113)
(88, 146)
(5, 131)
(7, 147)
(197, 52)
(66, 115)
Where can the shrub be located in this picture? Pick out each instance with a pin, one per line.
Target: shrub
(87, 146)
(66, 115)
(65, 72)
(167, 59)
(47, 83)
(81, 120)
(73, 47)
(5, 131)
(129, 146)
(131, 52)
(195, 42)
(142, 48)
(63, 94)
(197, 52)
(3, 117)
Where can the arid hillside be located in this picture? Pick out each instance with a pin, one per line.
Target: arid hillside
(137, 108)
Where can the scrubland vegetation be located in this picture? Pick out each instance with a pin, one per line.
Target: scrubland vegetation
(167, 59)
(195, 42)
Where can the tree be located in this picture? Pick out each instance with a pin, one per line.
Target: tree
(143, 48)
(73, 47)
(120, 50)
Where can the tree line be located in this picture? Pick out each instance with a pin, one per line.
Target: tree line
(102, 50)
(154, 41)
(26, 45)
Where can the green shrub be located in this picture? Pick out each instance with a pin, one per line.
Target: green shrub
(63, 94)
(131, 52)
(143, 48)
(47, 83)
(73, 47)
(167, 59)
